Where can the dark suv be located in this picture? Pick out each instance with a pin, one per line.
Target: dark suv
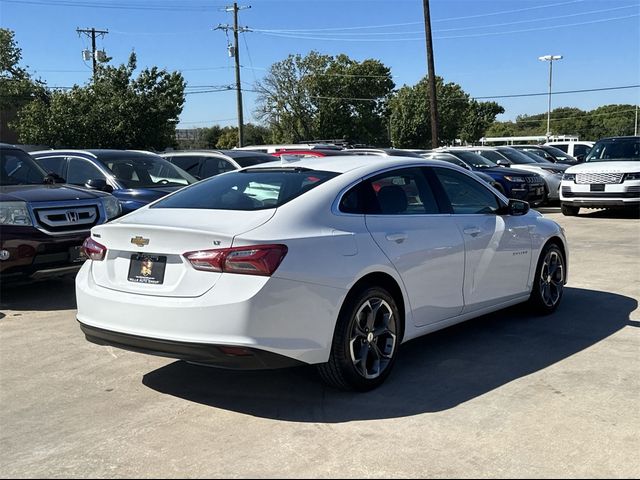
(135, 178)
(43, 223)
(511, 183)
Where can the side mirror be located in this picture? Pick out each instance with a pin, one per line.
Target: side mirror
(518, 207)
(99, 184)
(503, 163)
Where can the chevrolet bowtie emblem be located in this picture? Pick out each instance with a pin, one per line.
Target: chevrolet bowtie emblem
(139, 241)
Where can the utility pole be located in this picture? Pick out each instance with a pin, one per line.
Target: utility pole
(433, 106)
(92, 32)
(635, 130)
(235, 52)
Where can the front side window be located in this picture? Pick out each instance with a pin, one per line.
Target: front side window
(52, 164)
(80, 170)
(399, 192)
(466, 195)
(253, 189)
(491, 155)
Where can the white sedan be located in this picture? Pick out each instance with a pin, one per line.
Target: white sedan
(352, 257)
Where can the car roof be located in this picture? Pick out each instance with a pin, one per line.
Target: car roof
(343, 164)
(312, 153)
(102, 154)
(215, 152)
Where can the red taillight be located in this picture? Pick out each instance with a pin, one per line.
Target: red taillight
(253, 260)
(93, 249)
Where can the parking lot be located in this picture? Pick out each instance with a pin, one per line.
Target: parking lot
(506, 395)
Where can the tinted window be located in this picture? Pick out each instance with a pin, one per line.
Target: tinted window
(515, 156)
(52, 164)
(404, 192)
(251, 161)
(147, 171)
(188, 163)
(80, 170)
(466, 195)
(491, 155)
(214, 166)
(449, 158)
(564, 148)
(18, 168)
(580, 150)
(474, 159)
(247, 190)
(615, 149)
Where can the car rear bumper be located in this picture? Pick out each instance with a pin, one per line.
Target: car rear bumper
(287, 318)
(222, 356)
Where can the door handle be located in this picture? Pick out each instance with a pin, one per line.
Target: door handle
(396, 237)
(473, 231)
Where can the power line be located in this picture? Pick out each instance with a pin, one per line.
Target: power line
(439, 20)
(112, 6)
(474, 27)
(475, 35)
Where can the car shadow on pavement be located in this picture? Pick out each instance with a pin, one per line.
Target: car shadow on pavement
(433, 373)
(46, 295)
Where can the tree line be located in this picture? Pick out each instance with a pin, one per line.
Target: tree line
(310, 97)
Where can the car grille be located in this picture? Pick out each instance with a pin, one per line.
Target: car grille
(534, 180)
(66, 219)
(599, 178)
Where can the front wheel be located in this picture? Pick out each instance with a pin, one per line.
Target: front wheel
(548, 284)
(568, 210)
(365, 341)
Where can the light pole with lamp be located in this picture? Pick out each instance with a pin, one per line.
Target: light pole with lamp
(550, 59)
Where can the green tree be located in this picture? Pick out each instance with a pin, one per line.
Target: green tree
(322, 97)
(115, 110)
(228, 138)
(459, 116)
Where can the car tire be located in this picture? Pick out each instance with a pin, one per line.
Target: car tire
(365, 342)
(548, 283)
(568, 210)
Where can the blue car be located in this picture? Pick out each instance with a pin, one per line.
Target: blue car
(135, 178)
(512, 183)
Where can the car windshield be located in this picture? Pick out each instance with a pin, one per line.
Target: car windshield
(559, 154)
(252, 189)
(515, 156)
(615, 149)
(473, 159)
(18, 168)
(533, 155)
(147, 172)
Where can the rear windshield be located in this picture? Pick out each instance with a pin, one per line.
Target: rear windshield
(253, 189)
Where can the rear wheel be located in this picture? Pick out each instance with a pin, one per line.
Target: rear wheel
(365, 341)
(548, 284)
(569, 210)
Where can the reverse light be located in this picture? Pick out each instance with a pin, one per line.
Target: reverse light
(93, 249)
(252, 260)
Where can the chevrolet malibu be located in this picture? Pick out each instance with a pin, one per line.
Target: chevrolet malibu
(331, 261)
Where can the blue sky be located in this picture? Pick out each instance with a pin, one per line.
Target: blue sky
(489, 47)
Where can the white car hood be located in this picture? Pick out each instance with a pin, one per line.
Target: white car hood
(627, 166)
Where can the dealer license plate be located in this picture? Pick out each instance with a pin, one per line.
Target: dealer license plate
(147, 269)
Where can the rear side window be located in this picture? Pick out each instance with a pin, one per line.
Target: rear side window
(213, 166)
(188, 163)
(252, 189)
(251, 161)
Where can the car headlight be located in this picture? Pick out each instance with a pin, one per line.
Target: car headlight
(510, 178)
(111, 207)
(569, 177)
(14, 213)
(632, 176)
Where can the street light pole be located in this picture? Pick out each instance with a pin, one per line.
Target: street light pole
(550, 59)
